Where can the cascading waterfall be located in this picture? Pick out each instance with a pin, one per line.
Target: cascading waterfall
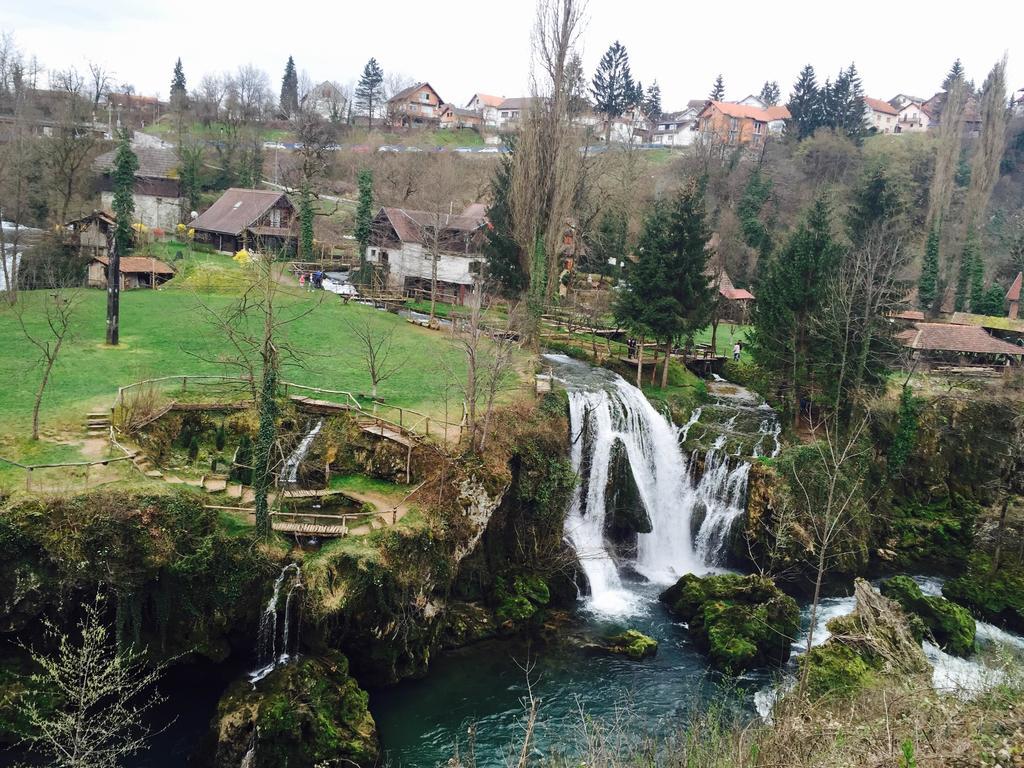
(290, 470)
(274, 624)
(723, 494)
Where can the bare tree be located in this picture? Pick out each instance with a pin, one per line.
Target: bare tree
(210, 97)
(252, 91)
(48, 337)
(376, 349)
(17, 159)
(99, 82)
(104, 695)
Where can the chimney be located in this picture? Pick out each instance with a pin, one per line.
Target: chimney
(1013, 297)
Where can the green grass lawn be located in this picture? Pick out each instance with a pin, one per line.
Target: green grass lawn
(364, 484)
(165, 332)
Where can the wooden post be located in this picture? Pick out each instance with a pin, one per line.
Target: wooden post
(428, 426)
(184, 383)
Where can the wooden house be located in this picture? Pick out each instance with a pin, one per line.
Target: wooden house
(136, 272)
(157, 189)
(91, 234)
(257, 219)
(404, 243)
(417, 105)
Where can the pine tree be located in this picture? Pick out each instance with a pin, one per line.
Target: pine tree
(364, 219)
(978, 298)
(504, 256)
(613, 88)
(755, 195)
(179, 93)
(966, 271)
(717, 90)
(370, 91)
(290, 89)
(123, 177)
(993, 302)
(927, 285)
(607, 245)
(770, 93)
(956, 73)
(306, 215)
(804, 103)
(852, 117)
(652, 101)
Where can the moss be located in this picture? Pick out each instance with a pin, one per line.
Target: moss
(521, 600)
(741, 621)
(632, 643)
(835, 670)
(996, 597)
(950, 624)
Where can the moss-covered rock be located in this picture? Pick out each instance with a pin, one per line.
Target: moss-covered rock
(310, 712)
(520, 597)
(625, 515)
(467, 623)
(740, 621)
(951, 625)
(997, 597)
(875, 638)
(632, 643)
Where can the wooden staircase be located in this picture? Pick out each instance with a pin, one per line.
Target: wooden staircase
(97, 424)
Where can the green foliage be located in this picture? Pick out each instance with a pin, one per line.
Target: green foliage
(996, 596)
(907, 759)
(755, 195)
(804, 103)
(966, 273)
(220, 437)
(992, 302)
(369, 92)
(242, 471)
(950, 624)
(906, 430)
(927, 286)
(717, 90)
(193, 449)
(289, 101)
(364, 217)
(123, 177)
(613, 88)
(521, 600)
(608, 245)
(179, 90)
(741, 621)
(504, 257)
(667, 293)
(306, 215)
(935, 532)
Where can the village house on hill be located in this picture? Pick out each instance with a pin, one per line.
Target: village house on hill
(739, 124)
(256, 219)
(487, 107)
(157, 188)
(327, 100)
(403, 244)
(453, 117)
(676, 129)
(882, 117)
(417, 105)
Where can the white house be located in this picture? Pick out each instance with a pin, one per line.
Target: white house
(880, 115)
(510, 112)
(912, 117)
(676, 129)
(157, 190)
(404, 244)
(487, 107)
(327, 100)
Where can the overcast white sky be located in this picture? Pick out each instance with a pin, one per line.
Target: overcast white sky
(465, 46)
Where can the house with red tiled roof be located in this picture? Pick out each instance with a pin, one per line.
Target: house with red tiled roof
(881, 116)
(404, 244)
(738, 124)
(136, 272)
(417, 105)
(1013, 297)
(938, 343)
(487, 107)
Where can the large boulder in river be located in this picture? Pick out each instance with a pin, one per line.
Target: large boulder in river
(951, 625)
(309, 712)
(625, 514)
(739, 621)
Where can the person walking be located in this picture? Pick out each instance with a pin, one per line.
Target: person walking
(302, 280)
(736, 351)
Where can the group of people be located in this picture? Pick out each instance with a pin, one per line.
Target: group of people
(312, 282)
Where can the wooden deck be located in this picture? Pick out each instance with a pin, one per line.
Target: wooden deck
(388, 433)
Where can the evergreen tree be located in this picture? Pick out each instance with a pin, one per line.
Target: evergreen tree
(364, 219)
(804, 103)
(306, 216)
(290, 89)
(577, 80)
(851, 119)
(613, 88)
(123, 177)
(790, 292)
(370, 90)
(179, 93)
(717, 90)
(978, 298)
(927, 285)
(770, 93)
(966, 271)
(504, 257)
(652, 101)
(956, 72)
(993, 303)
(607, 245)
(755, 195)
(667, 293)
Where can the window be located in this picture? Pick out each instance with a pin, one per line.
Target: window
(504, 114)
(474, 267)
(425, 96)
(275, 217)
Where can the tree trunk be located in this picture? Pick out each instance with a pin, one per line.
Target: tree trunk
(664, 368)
(640, 363)
(814, 614)
(1000, 531)
(42, 387)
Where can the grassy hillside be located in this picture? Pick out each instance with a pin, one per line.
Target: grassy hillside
(166, 332)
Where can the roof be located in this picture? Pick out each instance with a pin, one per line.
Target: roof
(990, 322)
(946, 337)
(236, 210)
(405, 93)
(488, 100)
(519, 102)
(154, 162)
(409, 224)
(697, 104)
(744, 111)
(132, 264)
(877, 105)
(726, 287)
(1014, 293)
(460, 111)
(105, 216)
(914, 315)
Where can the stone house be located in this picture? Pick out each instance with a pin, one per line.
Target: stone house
(157, 190)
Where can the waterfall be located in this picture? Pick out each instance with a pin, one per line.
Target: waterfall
(290, 470)
(268, 657)
(723, 494)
